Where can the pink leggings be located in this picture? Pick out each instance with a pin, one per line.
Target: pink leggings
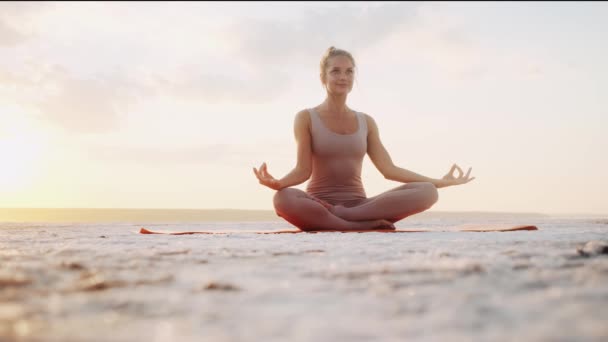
(307, 212)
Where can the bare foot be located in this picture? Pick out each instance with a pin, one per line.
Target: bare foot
(375, 224)
(385, 224)
(339, 210)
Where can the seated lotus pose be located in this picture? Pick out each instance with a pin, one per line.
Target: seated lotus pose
(332, 140)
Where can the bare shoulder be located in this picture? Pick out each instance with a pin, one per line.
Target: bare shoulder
(302, 118)
(302, 122)
(303, 114)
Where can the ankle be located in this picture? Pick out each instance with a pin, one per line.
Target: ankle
(340, 211)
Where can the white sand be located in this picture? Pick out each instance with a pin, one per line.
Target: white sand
(88, 282)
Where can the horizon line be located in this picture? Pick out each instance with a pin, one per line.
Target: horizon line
(271, 210)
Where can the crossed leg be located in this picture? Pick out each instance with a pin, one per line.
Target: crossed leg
(309, 213)
(393, 205)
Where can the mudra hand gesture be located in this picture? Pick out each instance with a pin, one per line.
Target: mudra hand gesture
(451, 180)
(265, 178)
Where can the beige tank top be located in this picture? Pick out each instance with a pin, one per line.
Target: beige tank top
(336, 162)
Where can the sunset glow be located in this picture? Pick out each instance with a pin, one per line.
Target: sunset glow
(170, 105)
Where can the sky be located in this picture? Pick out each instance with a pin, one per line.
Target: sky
(172, 104)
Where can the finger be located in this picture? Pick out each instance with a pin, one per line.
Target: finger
(266, 173)
(262, 178)
(260, 175)
(452, 169)
(460, 173)
(468, 172)
(450, 175)
(468, 180)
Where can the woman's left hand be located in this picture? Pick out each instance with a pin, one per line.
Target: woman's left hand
(452, 180)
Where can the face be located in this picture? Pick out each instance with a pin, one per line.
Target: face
(339, 75)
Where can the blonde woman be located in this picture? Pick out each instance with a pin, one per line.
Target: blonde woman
(332, 140)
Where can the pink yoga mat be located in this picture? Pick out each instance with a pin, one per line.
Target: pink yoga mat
(480, 228)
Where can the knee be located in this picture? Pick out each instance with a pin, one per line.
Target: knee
(281, 197)
(431, 194)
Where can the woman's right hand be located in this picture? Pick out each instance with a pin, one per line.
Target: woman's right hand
(265, 178)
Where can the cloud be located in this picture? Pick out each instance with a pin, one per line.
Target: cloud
(443, 42)
(258, 54)
(9, 36)
(188, 155)
(225, 154)
(84, 95)
(85, 105)
(21, 8)
(15, 17)
(304, 39)
(83, 92)
(201, 83)
(95, 104)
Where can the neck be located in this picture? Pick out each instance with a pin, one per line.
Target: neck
(336, 104)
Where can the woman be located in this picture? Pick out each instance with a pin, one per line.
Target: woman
(332, 141)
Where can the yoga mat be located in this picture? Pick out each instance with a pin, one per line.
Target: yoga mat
(480, 228)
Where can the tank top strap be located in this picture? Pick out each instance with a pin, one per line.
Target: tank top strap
(362, 123)
(315, 120)
(313, 114)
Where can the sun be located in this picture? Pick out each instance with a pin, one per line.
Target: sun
(21, 150)
(18, 167)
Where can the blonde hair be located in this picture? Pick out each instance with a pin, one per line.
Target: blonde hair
(333, 52)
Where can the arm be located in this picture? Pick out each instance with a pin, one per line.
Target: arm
(303, 168)
(383, 162)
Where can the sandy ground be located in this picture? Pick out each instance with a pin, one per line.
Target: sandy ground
(102, 282)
